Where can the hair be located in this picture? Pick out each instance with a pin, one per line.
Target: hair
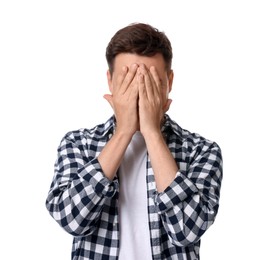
(141, 39)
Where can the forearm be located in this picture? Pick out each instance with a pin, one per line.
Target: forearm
(190, 204)
(111, 156)
(186, 222)
(163, 163)
(185, 212)
(76, 201)
(69, 213)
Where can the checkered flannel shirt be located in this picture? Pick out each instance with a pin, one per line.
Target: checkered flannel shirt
(85, 203)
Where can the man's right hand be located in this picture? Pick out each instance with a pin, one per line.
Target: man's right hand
(124, 100)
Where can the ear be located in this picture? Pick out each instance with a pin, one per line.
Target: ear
(109, 80)
(170, 78)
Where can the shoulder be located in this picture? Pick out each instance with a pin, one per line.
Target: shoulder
(85, 135)
(191, 141)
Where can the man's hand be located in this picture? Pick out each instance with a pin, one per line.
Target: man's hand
(124, 100)
(153, 102)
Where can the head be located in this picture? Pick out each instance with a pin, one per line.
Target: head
(140, 39)
(140, 43)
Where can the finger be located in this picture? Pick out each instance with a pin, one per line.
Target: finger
(141, 87)
(120, 78)
(167, 105)
(133, 89)
(109, 98)
(148, 82)
(156, 81)
(129, 77)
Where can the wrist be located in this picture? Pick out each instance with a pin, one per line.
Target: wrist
(124, 134)
(153, 136)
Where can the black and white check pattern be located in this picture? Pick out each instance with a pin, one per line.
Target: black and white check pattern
(84, 202)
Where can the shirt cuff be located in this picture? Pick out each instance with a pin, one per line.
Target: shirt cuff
(92, 173)
(177, 192)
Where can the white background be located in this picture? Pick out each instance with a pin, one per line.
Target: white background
(53, 77)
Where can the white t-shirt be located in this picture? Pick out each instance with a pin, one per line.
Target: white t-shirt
(133, 212)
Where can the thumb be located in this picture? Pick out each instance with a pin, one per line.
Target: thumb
(167, 105)
(109, 99)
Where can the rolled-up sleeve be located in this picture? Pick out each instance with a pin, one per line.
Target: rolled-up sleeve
(78, 190)
(190, 204)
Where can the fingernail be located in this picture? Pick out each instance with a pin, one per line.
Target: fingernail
(134, 66)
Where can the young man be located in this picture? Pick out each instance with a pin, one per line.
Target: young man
(138, 186)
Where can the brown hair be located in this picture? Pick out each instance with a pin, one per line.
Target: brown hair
(141, 39)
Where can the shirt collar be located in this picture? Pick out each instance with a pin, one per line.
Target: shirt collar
(168, 126)
(109, 126)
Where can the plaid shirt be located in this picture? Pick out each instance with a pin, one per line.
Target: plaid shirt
(85, 203)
